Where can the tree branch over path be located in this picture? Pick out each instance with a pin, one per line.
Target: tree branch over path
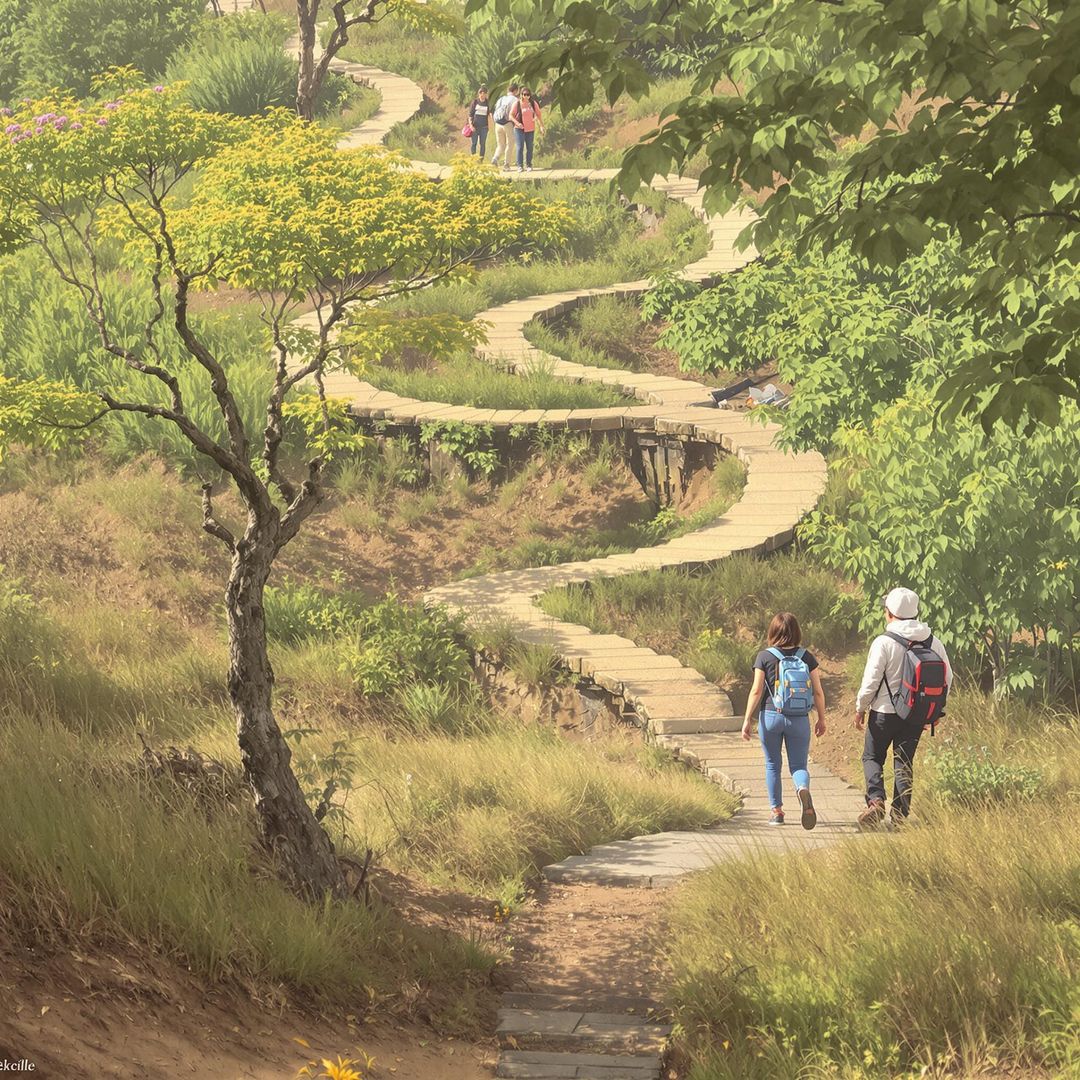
(798, 89)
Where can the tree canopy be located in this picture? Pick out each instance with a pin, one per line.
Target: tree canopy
(961, 121)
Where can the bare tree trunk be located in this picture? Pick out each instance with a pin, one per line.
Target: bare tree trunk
(307, 88)
(304, 851)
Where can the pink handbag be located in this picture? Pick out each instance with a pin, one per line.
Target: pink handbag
(467, 130)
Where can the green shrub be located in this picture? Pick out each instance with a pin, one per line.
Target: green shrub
(12, 19)
(45, 331)
(537, 665)
(244, 77)
(65, 43)
(479, 56)
(240, 65)
(396, 643)
(607, 322)
(425, 708)
(971, 777)
(296, 612)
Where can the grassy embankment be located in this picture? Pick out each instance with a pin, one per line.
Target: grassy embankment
(114, 629)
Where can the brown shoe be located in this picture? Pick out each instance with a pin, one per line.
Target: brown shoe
(872, 816)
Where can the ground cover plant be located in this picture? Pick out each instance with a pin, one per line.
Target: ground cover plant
(612, 332)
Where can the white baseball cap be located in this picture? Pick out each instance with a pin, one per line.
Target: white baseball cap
(903, 603)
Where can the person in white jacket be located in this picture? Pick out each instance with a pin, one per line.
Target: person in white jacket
(884, 668)
(504, 128)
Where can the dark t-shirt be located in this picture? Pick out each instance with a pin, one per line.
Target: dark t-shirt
(769, 664)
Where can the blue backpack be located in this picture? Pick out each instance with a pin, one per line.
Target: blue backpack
(793, 694)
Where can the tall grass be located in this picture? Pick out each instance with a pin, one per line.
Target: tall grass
(715, 620)
(487, 811)
(465, 380)
(949, 950)
(93, 848)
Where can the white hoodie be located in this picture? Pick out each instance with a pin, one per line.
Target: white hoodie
(886, 662)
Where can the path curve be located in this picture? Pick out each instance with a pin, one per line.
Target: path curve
(683, 711)
(544, 1038)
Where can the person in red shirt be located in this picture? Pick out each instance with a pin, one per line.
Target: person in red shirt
(527, 121)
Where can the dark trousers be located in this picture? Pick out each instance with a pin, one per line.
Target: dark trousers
(882, 731)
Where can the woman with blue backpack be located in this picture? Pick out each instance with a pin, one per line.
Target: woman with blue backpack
(787, 685)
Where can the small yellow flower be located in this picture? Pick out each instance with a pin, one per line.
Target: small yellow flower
(342, 1069)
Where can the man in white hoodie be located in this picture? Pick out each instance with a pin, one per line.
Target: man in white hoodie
(884, 669)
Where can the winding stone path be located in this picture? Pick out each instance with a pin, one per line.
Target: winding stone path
(552, 1039)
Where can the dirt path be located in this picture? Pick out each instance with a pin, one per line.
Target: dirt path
(589, 942)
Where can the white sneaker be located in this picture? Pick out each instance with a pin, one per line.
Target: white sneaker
(520, 169)
(528, 168)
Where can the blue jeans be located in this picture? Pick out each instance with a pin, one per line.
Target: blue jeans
(479, 136)
(524, 146)
(777, 731)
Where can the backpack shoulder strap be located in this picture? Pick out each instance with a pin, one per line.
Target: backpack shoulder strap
(800, 653)
(902, 640)
(776, 652)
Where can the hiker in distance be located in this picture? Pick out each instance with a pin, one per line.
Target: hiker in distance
(527, 121)
(477, 122)
(787, 684)
(504, 129)
(904, 686)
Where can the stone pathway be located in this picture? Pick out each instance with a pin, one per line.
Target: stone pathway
(543, 1037)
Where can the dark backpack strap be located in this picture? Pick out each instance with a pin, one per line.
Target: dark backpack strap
(779, 656)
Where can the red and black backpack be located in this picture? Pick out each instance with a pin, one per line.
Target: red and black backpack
(924, 683)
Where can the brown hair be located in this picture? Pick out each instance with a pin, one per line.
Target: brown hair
(784, 631)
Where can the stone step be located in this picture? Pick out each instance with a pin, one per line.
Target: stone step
(566, 1029)
(589, 1002)
(691, 726)
(542, 1065)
